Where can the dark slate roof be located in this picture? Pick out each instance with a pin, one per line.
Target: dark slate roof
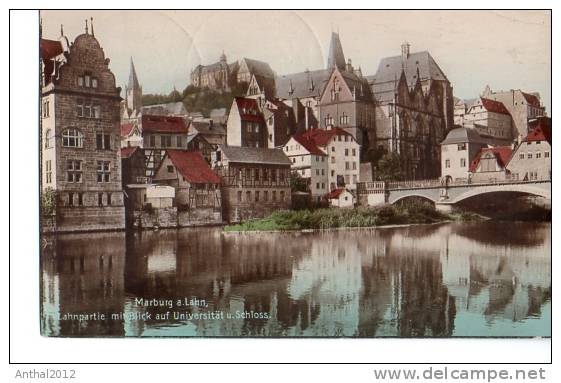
(358, 84)
(336, 57)
(193, 167)
(389, 71)
(170, 108)
(304, 84)
(461, 135)
(255, 155)
(260, 68)
(205, 128)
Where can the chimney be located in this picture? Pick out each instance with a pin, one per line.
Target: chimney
(306, 117)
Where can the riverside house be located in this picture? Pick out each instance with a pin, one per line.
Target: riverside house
(255, 181)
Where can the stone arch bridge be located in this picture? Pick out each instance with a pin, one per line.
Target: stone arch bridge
(445, 194)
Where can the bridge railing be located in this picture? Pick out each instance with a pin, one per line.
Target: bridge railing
(414, 184)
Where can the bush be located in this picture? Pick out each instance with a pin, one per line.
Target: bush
(48, 202)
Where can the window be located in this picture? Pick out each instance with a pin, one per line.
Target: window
(354, 165)
(85, 108)
(257, 196)
(45, 109)
(266, 195)
(47, 138)
(103, 172)
(274, 195)
(74, 171)
(546, 154)
(346, 150)
(322, 159)
(461, 146)
(70, 199)
(48, 172)
(166, 141)
(344, 119)
(282, 195)
(447, 163)
(354, 178)
(462, 162)
(94, 82)
(323, 185)
(538, 155)
(317, 172)
(317, 185)
(521, 156)
(170, 168)
(152, 141)
(538, 142)
(248, 196)
(87, 79)
(322, 172)
(239, 196)
(100, 199)
(103, 141)
(333, 173)
(347, 166)
(81, 81)
(72, 138)
(333, 148)
(332, 160)
(108, 198)
(354, 152)
(80, 199)
(529, 156)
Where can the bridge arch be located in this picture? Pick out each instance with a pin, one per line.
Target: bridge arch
(402, 197)
(544, 191)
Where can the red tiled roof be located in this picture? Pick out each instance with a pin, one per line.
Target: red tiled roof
(50, 48)
(309, 145)
(249, 110)
(494, 106)
(193, 167)
(336, 193)
(541, 130)
(501, 153)
(126, 129)
(128, 151)
(322, 137)
(532, 99)
(164, 124)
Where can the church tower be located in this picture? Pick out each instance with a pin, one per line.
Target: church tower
(133, 92)
(336, 58)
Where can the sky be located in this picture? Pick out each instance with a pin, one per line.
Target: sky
(502, 49)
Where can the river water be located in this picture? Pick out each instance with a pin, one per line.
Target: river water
(453, 279)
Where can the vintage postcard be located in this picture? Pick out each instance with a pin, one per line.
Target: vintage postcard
(295, 173)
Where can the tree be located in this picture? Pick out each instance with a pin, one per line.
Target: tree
(297, 183)
(389, 168)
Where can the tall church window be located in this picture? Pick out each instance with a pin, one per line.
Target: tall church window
(72, 138)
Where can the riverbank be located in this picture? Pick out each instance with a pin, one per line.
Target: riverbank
(322, 219)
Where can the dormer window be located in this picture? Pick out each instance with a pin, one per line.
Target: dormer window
(94, 82)
(87, 80)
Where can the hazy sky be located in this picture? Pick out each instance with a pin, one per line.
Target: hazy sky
(505, 49)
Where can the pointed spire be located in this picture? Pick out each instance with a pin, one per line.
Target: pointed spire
(61, 31)
(336, 58)
(86, 20)
(91, 23)
(133, 80)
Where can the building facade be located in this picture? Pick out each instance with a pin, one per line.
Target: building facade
(309, 162)
(531, 160)
(522, 106)
(255, 181)
(415, 110)
(80, 135)
(343, 151)
(459, 149)
(490, 118)
(489, 165)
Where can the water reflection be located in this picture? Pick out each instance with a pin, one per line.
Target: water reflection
(437, 280)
